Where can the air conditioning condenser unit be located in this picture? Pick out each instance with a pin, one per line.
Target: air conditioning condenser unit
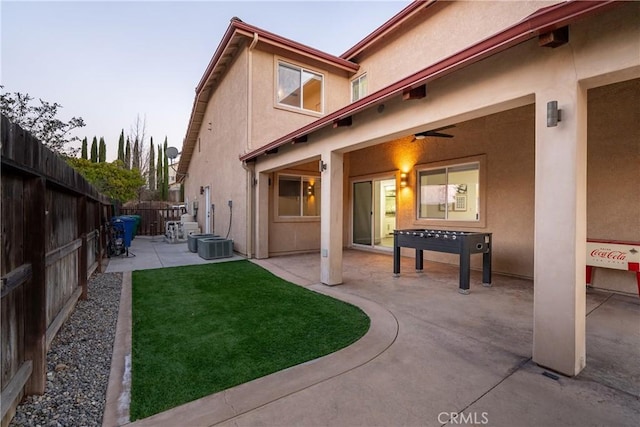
(215, 248)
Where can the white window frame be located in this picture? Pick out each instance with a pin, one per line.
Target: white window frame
(358, 80)
(482, 197)
(302, 69)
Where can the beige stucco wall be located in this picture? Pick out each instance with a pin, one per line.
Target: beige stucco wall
(437, 32)
(270, 121)
(241, 109)
(215, 158)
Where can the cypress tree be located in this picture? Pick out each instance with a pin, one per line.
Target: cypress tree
(102, 151)
(159, 179)
(83, 154)
(135, 160)
(121, 146)
(94, 150)
(165, 174)
(127, 155)
(152, 166)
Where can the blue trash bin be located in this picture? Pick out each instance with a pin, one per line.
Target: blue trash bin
(136, 226)
(118, 224)
(129, 226)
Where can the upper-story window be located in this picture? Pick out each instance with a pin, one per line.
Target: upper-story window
(299, 88)
(359, 88)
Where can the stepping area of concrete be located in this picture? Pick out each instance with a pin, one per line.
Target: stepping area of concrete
(432, 356)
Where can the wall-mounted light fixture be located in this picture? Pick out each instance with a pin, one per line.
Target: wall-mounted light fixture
(311, 190)
(554, 115)
(322, 166)
(201, 189)
(403, 180)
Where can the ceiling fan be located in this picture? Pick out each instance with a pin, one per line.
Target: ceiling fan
(434, 132)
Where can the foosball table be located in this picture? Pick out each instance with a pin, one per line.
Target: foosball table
(462, 243)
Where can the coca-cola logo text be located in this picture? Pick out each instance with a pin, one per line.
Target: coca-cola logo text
(608, 254)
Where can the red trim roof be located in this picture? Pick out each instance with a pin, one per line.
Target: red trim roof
(238, 25)
(388, 26)
(540, 22)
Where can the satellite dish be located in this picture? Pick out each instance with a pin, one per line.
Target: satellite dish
(172, 152)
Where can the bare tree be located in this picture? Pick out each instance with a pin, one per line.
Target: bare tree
(138, 133)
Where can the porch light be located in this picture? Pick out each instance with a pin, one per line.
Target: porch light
(403, 180)
(554, 114)
(310, 190)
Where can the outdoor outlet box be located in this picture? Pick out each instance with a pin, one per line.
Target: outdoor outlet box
(325, 253)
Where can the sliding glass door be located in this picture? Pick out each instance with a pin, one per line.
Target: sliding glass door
(374, 212)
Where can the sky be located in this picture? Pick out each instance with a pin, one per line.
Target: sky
(111, 62)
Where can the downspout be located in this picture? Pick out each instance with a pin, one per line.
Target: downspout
(250, 223)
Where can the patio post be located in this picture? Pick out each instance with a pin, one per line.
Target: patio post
(262, 216)
(331, 218)
(560, 227)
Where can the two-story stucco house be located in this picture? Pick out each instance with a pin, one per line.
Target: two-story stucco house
(444, 117)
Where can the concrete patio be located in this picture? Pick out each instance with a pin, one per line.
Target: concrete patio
(432, 357)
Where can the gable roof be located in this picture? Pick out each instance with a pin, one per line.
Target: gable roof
(540, 22)
(410, 10)
(235, 37)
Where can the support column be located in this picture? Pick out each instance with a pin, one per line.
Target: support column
(560, 229)
(331, 219)
(262, 216)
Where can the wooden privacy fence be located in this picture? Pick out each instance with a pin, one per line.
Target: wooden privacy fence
(153, 220)
(52, 241)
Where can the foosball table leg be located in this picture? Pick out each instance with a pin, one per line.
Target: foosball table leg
(419, 260)
(486, 267)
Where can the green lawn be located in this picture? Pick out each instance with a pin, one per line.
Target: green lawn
(201, 329)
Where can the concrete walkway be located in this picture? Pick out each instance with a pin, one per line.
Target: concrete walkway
(146, 253)
(434, 357)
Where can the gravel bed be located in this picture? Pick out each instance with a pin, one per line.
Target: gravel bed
(78, 362)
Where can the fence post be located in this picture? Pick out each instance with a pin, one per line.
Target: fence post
(97, 225)
(83, 269)
(36, 292)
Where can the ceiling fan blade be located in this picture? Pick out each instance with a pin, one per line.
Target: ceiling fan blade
(443, 128)
(434, 132)
(439, 135)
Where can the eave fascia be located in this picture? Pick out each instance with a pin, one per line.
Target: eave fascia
(295, 47)
(540, 22)
(408, 12)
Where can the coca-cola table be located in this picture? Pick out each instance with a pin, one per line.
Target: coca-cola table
(613, 254)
